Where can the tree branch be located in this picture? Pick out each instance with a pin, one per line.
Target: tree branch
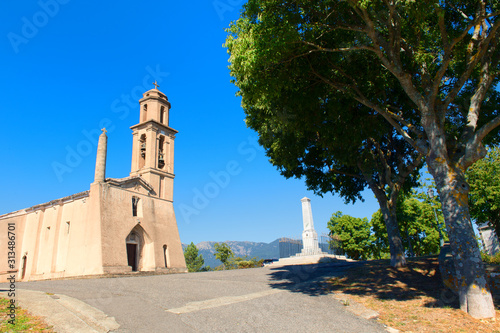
(387, 169)
(383, 112)
(484, 130)
(483, 47)
(340, 49)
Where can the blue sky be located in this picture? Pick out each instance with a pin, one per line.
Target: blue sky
(71, 67)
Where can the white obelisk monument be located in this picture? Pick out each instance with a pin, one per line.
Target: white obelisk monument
(309, 235)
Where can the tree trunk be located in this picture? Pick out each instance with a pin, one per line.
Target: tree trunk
(396, 247)
(410, 246)
(388, 210)
(474, 293)
(496, 226)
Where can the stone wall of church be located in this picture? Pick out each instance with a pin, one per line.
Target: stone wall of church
(154, 223)
(54, 240)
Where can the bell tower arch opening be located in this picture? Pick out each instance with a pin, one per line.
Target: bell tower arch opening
(142, 151)
(161, 152)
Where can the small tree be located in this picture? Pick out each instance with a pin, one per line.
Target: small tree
(484, 195)
(194, 261)
(223, 252)
(417, 225)
(354, 235)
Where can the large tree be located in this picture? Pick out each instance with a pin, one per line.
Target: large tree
(484, 195)
(313, 131)
(442, 55)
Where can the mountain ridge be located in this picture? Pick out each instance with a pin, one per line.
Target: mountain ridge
(260, 250)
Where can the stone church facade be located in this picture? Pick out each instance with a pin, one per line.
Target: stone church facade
(118, 225)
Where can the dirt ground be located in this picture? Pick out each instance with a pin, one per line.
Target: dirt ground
(410, 299)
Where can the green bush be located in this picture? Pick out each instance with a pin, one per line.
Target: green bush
(495, 259)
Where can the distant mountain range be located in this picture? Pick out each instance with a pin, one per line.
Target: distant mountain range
(240, 249)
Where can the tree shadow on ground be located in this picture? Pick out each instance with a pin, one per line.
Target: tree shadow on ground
(308, 279)
(420, 277)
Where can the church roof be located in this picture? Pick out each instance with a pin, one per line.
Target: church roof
(129, 180)
(69, 198)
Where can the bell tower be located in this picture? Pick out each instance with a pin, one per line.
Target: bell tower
(153, 144)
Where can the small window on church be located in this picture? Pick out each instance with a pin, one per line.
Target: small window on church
(136, 207)
(162, 114)
(135, 202)
(67, 226)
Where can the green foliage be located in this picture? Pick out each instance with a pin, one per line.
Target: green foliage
(495, 259)
(309, 127)
(194, 261)
(484, 194)
(224, 253)
(417, 224)
(354, 235)
(245, 262)
(240, 263)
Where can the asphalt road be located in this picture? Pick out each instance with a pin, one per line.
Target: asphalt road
(268, 299)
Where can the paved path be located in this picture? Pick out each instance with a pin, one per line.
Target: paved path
(268, 299)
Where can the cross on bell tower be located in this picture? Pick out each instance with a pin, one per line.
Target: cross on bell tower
(153, 143)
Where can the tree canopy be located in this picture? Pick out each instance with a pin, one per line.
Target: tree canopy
(310, 129)
(427, 68)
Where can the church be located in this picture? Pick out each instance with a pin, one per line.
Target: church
(119, 225)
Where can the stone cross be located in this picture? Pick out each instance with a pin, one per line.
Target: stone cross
(156, 85)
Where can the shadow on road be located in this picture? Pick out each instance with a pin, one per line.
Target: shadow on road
(308, 279)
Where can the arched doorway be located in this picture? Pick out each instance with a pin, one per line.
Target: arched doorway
(133, 247)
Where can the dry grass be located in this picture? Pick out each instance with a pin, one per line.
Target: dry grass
(25, 322)
(410, 299)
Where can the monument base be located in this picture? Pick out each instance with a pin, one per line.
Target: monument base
(311, 252)
(309, 259)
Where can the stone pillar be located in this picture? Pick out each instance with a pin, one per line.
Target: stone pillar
(100, 163)
(309, 235)
(307, 217)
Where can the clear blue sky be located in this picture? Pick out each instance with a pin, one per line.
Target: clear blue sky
(69, 67)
